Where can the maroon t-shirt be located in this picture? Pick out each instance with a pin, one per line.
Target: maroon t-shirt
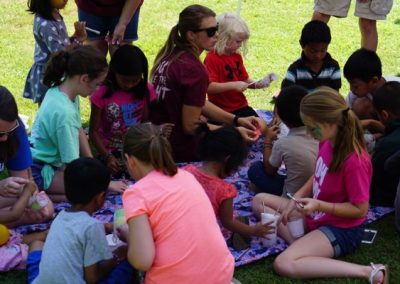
(102, 8)
(182, 81)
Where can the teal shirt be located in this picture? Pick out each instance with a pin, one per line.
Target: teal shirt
(55, 132)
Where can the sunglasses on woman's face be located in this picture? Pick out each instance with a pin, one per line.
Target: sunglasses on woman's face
(210, 31)
(4, 133)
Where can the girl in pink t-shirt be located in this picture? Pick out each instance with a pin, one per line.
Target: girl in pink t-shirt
(120, 103)
(222, 151)
(334, 200)
(172, 227)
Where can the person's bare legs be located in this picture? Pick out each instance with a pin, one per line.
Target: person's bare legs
(320, 17)
(369, 34)
(35, 237)
(56, 191)
(311, 257)
(265, 202)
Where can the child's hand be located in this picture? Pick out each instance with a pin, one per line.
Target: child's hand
(248, 135)
(12, 186)
(271, 133)
(80, 31)
(31, 187)
(118, 186)
(239, 86)
(260, 230)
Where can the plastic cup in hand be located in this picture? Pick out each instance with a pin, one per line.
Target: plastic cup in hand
(296, 226)
(266, 218)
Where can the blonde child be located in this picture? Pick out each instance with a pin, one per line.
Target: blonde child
(227, 73)
(171, 223)
(50, 35)
(222, 151)
(122, 101)
(334, 201)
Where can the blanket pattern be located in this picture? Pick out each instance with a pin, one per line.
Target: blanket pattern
(242, 207)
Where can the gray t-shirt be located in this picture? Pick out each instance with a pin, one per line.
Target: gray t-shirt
(298, 151)
(75, 240)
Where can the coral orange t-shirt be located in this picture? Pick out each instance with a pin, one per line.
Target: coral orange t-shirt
(189, 245)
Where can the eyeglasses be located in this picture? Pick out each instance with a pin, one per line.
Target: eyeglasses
(210, 31)
(4, 133)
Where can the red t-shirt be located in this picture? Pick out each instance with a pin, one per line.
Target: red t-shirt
(226, 68)
(102, 8)
(350, 184)
(217, 189)
(184, 81)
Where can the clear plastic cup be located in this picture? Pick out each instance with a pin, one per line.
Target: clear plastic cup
(265, 218)
(296, 226)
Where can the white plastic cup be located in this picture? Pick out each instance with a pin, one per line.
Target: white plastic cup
(296, 226)
(266, 218)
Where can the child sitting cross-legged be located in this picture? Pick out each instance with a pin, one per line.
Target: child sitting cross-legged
(76, 249)
(297, 150)
(222, 151)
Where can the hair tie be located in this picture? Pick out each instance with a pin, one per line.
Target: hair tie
(345, 111)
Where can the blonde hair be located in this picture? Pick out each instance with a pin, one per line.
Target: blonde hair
(326, 105)
(229, 25)
(146, 143)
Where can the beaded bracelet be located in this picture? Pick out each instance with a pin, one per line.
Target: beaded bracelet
(75, 40)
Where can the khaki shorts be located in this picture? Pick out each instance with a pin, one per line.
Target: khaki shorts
(372, 9)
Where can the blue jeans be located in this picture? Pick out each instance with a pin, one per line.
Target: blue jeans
(266, 183)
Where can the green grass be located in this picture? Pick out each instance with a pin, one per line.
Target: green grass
(275, 28)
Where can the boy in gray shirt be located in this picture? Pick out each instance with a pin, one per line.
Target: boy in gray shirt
(297, 150)
(76, 249)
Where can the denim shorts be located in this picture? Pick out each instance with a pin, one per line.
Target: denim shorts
(343, 240)
(106, 25)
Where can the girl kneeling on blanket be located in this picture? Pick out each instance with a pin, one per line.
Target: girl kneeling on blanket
(340, 193)
(172, 228)
(222, 151)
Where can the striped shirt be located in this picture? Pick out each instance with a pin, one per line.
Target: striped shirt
(300, 74)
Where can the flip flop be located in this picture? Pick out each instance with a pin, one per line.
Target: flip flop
(376, 269)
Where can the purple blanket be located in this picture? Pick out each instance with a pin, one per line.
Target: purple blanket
(242, 205)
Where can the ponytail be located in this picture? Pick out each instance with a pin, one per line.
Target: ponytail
(78, 61)
(189, 20)
(146, 143)
(224, 145)
(325, 105)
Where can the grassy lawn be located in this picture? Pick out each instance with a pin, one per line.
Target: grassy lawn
(275, 30)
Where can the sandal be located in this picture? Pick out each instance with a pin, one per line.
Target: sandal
(376, 269)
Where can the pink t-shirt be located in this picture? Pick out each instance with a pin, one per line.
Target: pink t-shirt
(350, 184)
(118, 112)
(189, 245)
(217, 189)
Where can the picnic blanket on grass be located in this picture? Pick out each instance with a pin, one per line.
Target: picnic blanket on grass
(242, 207)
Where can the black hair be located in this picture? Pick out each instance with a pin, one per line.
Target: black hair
(128, 60)
(84, 179)
(315, 32)
(363, 64)
(9, 113)
(41, 7)
(224, 145)
(78, 61)
(387, 97)
(288, 105)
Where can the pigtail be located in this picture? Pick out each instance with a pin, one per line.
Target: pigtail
(349, 138)
(160, 154)
(146, 143)
(56, 69)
